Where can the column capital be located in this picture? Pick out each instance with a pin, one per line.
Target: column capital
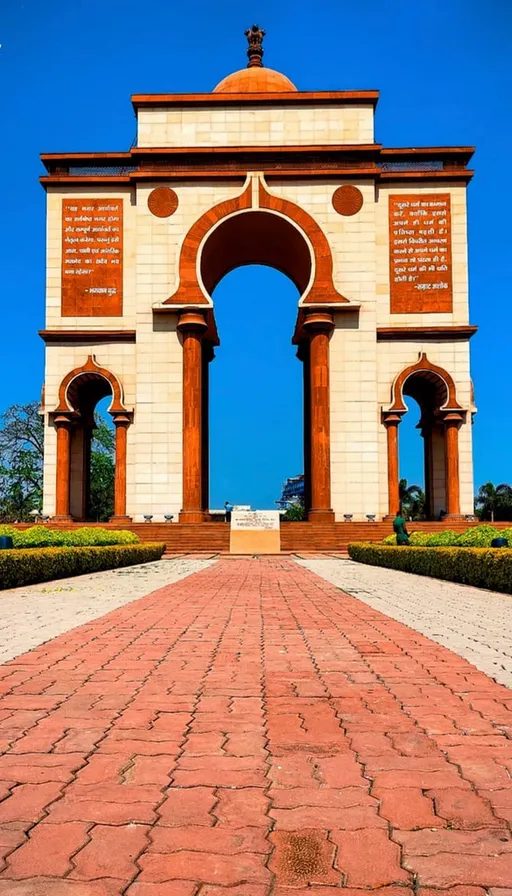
(121, 419)
(391, 418)
(452, 418)
(63, 421)
(318, 322)
(191, 321)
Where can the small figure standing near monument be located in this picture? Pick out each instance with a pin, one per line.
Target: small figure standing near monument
(399, 527)
(228, 507)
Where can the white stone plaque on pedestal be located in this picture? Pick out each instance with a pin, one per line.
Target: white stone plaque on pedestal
(255, 532)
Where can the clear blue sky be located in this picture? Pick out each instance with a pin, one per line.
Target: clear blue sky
(444, 69)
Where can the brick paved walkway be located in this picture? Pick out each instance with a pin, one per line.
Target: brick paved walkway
(472, 622)
(33, 614)
(252, 728)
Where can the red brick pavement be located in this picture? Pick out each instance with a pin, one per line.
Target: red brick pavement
(253, 728)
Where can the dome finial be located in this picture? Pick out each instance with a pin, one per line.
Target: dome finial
(255, 50)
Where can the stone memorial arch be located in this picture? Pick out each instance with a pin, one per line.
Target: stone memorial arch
(258, 172)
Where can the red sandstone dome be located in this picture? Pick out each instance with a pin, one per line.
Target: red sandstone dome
(255, 80)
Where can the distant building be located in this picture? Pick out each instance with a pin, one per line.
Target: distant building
(293, 492)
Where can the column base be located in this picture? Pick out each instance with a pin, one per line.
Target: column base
(320, 516)
(389, 516)
(120, 519)
(453, 516)
(191, 516)
(62, 518)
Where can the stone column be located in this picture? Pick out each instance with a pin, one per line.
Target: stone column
(319, 326)
(391, 422)
(303, 355)
(425, 427)
(121, 423)
(207, 356)
(192, 326)
(63, 427)
(452, 421)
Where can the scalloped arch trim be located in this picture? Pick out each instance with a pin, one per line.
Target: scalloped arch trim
(90, 371)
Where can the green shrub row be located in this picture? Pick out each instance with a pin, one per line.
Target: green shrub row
(26, 567)
(475, 537)
(43, 537)
(482, 567)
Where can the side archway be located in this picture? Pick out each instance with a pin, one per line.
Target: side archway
(79, 393)
(434, 390)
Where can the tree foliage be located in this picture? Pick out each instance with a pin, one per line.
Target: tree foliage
(412, 500)
(21, 465)
(21, 461)
(295, 512)
(101, 505)
(494, 502)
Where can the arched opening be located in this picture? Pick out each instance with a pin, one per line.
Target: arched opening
(256, 238)
(429, 393)
(89, 474)
(255, 378)
(433, 390)
(214, 247)
(411, 463)
(256, 390)
(81, 393)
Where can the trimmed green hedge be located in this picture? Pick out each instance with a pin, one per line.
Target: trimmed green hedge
(474, 537)
(85, 536)
(27, 567)
(482, 567)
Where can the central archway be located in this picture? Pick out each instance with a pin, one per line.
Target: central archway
(247, 239)
(255, 390)
(256, 228)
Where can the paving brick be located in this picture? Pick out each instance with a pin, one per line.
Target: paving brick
(368, 859)
(478, 843)
(297, 797)
(111, 852)
(221, 840)
(191, 806)
(346, 891)
(407, 808)
(246, 807)
(324, 818)
(463, 809)
(39, 768)
(460, 891)
(172, 888)
(98, 811)
(213, 869)
(450, 869)
(303, 858)
(27, 802)
(49, 849)
(115, 793)
(51, 886)
(242, 890)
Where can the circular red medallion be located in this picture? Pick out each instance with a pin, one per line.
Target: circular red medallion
(162, 202)
(347, 200)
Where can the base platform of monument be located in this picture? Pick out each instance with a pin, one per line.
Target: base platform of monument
(214, 538)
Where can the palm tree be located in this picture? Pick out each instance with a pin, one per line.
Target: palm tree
(494, 501)
(412, 500)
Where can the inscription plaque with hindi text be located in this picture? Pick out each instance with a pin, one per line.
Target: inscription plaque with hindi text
(92, 257)
(420, 253)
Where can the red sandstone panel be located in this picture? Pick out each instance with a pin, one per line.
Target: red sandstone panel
(420, 253)
(92, 257)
